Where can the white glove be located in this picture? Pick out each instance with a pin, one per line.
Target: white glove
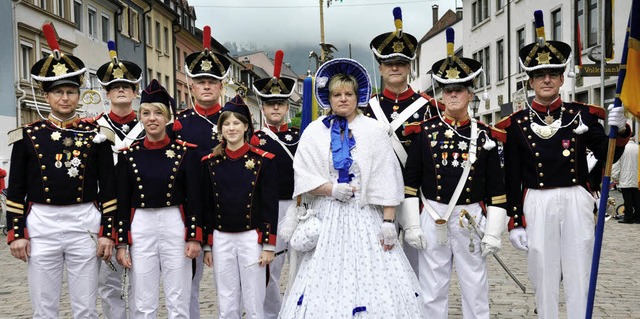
(342, 191)
(518, 238)
(409, 218)
(492, 242)
(616, 117)
(388, 234)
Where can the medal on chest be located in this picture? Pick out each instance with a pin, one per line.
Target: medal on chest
(395, 114)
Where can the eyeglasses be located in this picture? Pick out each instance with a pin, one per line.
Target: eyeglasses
(543, 75)
(60, 93)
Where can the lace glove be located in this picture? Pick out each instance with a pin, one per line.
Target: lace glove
(342, 191)
(388, 234)
(616, 118)
(518, 238)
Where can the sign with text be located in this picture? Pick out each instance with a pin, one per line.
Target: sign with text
(611, 69)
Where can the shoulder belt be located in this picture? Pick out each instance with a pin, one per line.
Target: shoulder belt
(261, 152)
(185, 144)
(15, 135)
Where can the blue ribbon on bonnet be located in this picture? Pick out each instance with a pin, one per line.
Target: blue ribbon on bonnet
(341, 144)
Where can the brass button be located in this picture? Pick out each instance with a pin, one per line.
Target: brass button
(43, 167)
(46, 189)
(120, 223)
(48, 200)
(515, 224)
(141, 204)
(468, 200)
(109, 234)
(139, 186)
(193, 234)
(541, 184)
(168, 203)
(541, 174)
(193, 219)
(439, 187)
(141, 196)
(437, 197)
(219, 226)
(248, 227)
(193, 226)
(120, 239)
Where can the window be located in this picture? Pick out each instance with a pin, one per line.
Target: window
(124, 21)
(166, 83)
(91, 20)
(60, 7)
(580, 20)
(106, 33)
(158, 35)
(26, 59)
(184, 60)
(166, 40)
(134, 24)
(500, 4)
(149, 75)
(484, 57)
(592, 23)
(159, 78)
(556, 20)
(500, 59)
(520, 40)
(177, 58)
(147, 32)
(77, 14)
(45, 53)
(479, 11)
(43, 4)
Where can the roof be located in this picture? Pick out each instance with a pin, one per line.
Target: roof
(448, 19)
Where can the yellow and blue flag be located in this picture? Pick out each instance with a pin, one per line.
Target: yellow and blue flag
(630, 93)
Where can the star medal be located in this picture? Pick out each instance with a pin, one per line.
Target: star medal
(55, 136)
(125, 128)
(78, 143)
(462, 145)
(455, 162)
(444, 158)
(448, 133)
(288, 137)
(170, 153)
(565, 145)
(263, 141)
(67, 141)
(395, 114)
(75, 161)
(72, 172)
(549, 119)
(250, 164)
(58, 163)
(434, 143)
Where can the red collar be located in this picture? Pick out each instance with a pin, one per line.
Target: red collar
(402, 96)
(543, 108)
(122, 119)
(72, 122)
(237, 153)
(452, 121)
(156, 145)
(282, 128)
(208, 111)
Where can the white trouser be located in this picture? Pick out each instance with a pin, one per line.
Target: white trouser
(560, 230)
(194, 305)
(110, 290)
(235, 282)
(273, 298)
(59, 239)
(436, 262)
(158, 248)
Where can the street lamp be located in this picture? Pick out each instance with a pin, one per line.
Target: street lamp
(475, 103)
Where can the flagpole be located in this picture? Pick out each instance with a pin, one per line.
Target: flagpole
(606, 180)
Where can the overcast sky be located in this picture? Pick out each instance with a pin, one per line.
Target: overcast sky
(280, 22)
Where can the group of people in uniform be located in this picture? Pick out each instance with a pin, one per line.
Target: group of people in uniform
(152, 197)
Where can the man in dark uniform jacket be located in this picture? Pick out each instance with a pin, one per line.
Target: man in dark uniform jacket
(61, 201)
(546, 178)
(402, 110)
(453, 162)
(198, 125)
(120, 79)
(277, 138)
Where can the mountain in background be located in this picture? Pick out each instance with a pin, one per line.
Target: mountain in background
(297, 55)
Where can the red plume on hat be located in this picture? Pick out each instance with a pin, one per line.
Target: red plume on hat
(207, 63)
(276, 87)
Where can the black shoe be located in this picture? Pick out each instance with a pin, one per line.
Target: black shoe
(625, 221)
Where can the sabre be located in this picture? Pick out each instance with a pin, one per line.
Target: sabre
(108, 262)
(124, 288)
(284, 251)
(472, 225)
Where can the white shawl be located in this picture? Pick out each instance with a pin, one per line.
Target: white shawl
(381, 177)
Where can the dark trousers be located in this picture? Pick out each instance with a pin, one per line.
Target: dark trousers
(631, 197)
